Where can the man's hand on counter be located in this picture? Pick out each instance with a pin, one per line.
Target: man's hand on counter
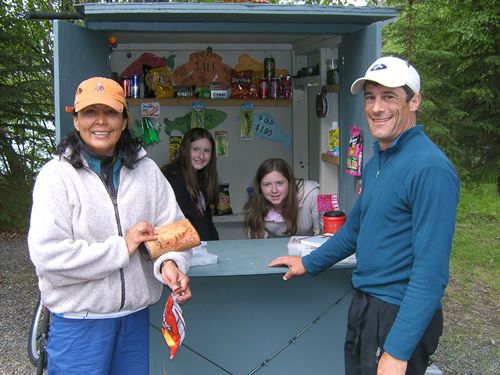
(294, 264)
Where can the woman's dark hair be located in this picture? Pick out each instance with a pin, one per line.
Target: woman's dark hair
(257, 206)
(205, 180)
(127, 146)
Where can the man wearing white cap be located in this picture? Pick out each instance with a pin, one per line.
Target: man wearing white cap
(400, 228)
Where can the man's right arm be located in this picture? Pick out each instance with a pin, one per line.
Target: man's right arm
(339, 247)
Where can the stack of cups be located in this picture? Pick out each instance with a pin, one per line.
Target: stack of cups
(333, 220)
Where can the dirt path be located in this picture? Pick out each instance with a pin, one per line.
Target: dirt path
(18, 296)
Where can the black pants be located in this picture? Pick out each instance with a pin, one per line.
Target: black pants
(369, 322)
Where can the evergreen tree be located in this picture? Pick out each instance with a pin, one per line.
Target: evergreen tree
(26, 107)
(455, 46)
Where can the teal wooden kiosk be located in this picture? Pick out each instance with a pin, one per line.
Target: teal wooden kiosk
(243, 318)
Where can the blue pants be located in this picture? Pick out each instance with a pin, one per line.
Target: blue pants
(115, 346)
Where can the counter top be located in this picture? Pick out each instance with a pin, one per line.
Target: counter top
(248, 257)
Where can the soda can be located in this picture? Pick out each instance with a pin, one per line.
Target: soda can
(264, 89)
(269, 67)
(274, 91)
(135, 86)
(125, 82)
(286, 87)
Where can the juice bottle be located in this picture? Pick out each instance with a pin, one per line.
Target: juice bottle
(334, 139)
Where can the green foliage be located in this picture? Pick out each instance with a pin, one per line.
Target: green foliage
(26, 106)
(476, 248)
(15, 205)
(328, 2)
(455, 46)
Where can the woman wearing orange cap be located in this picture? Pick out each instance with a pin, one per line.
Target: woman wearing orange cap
(94, 204)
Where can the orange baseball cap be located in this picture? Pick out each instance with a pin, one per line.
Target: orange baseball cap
(99, 90)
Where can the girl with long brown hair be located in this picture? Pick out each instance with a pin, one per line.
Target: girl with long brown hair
(281, 205)
(193, 176)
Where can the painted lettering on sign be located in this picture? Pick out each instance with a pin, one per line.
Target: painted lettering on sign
(267, 128)
(202, 68)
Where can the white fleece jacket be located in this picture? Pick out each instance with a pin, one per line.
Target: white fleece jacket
(81, 261)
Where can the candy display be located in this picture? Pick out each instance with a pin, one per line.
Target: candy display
(354, 152)
(205, 76)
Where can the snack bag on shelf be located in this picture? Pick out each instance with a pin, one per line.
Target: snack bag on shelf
(354, 152)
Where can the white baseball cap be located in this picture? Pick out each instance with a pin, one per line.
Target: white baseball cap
(391, 72)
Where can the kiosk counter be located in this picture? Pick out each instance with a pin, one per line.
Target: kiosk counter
(245, 319)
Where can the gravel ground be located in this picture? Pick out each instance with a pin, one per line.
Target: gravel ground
(476, 352)
(18, 297)
(470, 342)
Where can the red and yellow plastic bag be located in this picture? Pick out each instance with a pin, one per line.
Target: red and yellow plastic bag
(173, 326)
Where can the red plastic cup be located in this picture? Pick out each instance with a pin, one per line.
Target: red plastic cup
(333, 220)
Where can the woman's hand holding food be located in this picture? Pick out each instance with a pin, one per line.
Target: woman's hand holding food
(140, 232)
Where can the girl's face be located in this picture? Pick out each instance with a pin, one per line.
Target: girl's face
(201, 152)
(274, 187)
(100, 128)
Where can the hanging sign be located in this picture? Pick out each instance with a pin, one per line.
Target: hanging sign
(266, 127)
(203, 68)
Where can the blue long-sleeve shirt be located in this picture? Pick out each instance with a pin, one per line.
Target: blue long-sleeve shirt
(401, 229)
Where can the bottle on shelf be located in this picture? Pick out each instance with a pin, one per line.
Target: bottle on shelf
(334, 140)
(269, 71)
(331, 72)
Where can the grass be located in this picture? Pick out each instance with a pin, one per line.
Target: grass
(470, 342)
(475, 256)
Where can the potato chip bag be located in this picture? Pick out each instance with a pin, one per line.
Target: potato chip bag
(161, 81)
(173, 326)
(223, 207)
(241, 83)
